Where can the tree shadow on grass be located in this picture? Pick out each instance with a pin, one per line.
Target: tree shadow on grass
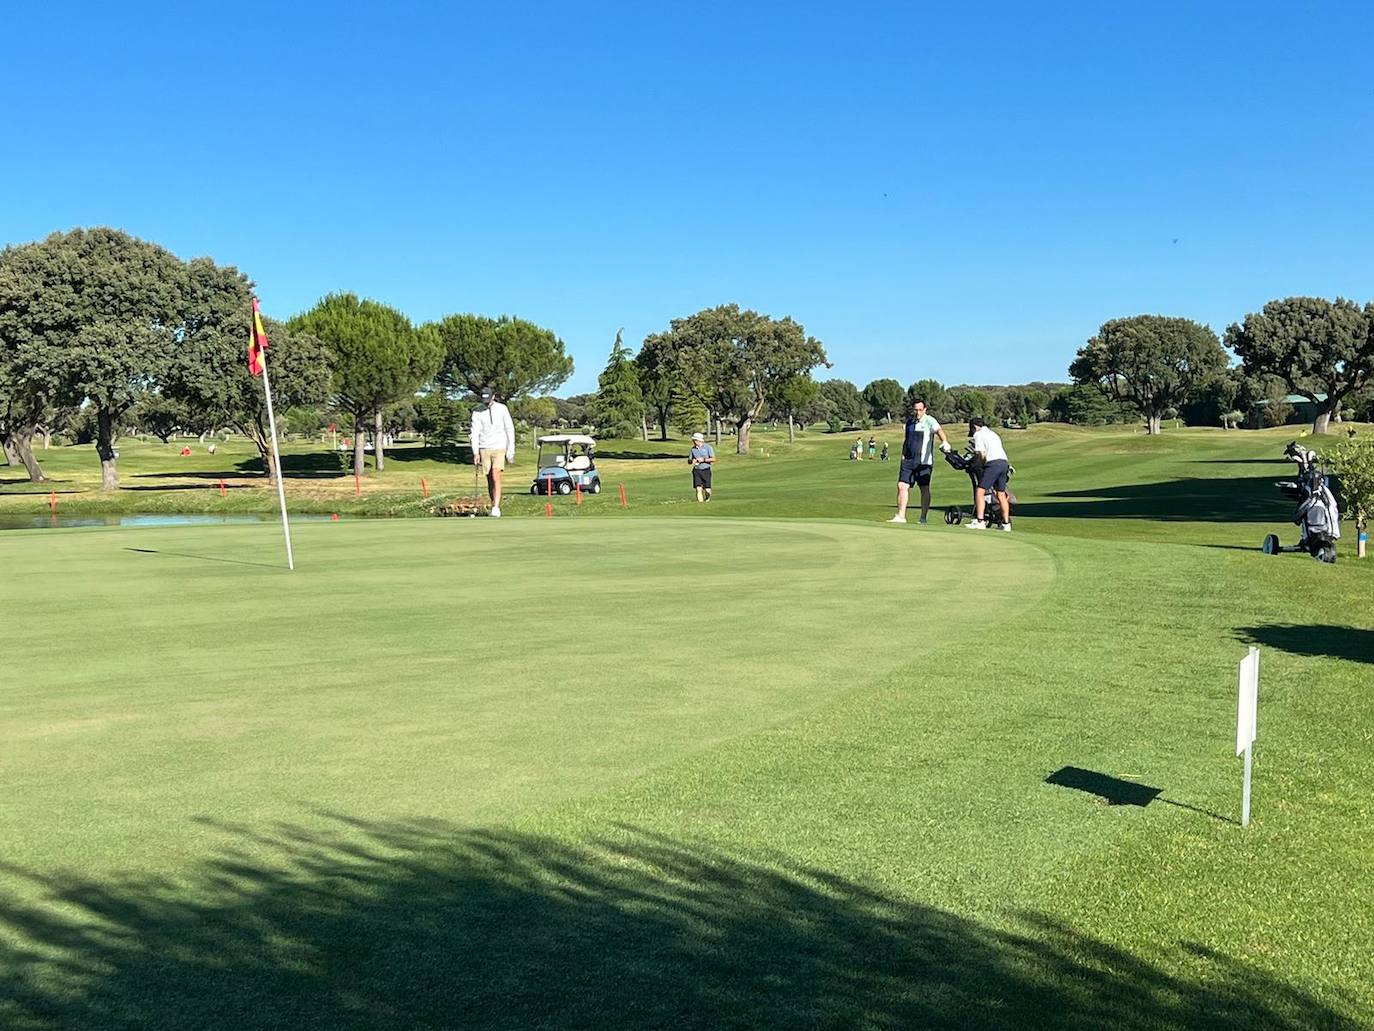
(420, 924)
(1244, 461)
(449, 454)
(1251, 499)
(1325, 641)
(642, 456)
(314, 465)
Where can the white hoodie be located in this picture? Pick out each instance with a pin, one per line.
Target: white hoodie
(493, 430)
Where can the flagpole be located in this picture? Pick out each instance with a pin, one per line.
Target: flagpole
(276, 462)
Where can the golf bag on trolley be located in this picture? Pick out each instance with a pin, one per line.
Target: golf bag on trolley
(969, 462)
(1317, 517)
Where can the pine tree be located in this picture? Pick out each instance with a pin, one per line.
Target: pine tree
(689, 414)
(619, 407)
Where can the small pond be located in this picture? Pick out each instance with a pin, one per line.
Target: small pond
(9, 522)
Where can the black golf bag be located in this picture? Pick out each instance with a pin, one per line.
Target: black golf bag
(971, 463)
(1317, 517)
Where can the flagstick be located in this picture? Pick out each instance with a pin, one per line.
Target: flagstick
(276, 461)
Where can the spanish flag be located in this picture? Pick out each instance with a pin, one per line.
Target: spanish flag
(257, 343)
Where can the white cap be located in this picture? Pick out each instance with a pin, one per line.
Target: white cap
(698, 436)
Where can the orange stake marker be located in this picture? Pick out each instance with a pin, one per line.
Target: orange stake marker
(52, 500)
(548, 509)
(578, 488)
(424, 486)
(548, 485)
(222, 492)
(623, 503)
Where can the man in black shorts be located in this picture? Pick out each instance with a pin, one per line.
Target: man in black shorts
(918, 459)
(701, 458)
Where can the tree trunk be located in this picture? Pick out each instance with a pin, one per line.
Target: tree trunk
(1152, 423)
(663, 423)
(11, 456)
(378, 442)
(104, 447)
(359, 438)
(23, 447)
(791, 431)
(265, 453)
(47, 437)
(1321, 422)
(717, 418)
(742, 436)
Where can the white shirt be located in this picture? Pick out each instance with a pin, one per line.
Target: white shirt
(493, 430)
(989, 444)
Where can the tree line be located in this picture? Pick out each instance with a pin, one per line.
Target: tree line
(1311, 347)
(100, 328)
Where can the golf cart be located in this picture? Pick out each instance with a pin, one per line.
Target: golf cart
(569, 465)
(1317, 517)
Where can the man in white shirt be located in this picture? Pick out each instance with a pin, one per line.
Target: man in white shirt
(493, 443)
(993, 479)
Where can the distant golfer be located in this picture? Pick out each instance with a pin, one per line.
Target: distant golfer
(918, 459)
(701, 458)
(493, 443)
(993, 479)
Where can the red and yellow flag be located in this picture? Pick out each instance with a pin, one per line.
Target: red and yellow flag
(257, 343)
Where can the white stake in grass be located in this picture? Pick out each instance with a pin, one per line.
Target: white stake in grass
(1247, 717)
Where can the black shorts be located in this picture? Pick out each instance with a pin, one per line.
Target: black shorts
(914, 474)
(701, 476)
(994, 475)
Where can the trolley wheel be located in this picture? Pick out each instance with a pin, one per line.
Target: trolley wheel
(1271, 544)
(953, 515)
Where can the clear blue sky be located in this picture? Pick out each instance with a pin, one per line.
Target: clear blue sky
(958, 195)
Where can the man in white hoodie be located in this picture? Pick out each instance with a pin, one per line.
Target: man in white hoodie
(493, 443)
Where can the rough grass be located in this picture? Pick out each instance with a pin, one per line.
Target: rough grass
(781, 770)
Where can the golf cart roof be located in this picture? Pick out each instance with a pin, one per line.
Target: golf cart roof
(569, 438)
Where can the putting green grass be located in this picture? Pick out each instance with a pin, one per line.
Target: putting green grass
(472, 668)
(790, 770)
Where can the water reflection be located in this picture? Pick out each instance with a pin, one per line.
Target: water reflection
(8, 522)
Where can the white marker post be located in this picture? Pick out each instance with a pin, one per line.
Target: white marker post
(257, 365)
(1247, 722)
(276, 460)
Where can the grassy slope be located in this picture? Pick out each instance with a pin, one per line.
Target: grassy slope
(842, 817)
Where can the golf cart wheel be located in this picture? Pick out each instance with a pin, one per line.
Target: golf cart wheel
(565, 487)
(953, 515)
(596, 487)
(1271, 544)
(534, 488)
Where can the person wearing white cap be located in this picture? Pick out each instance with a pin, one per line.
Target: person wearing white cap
(701, 458)
(493, 443)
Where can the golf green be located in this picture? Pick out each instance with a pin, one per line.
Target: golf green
(460, 669)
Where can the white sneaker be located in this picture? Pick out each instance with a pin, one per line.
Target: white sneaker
(496, 513)
(897, 519)
(1004, 527)
(921, 521)
(976, 524)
